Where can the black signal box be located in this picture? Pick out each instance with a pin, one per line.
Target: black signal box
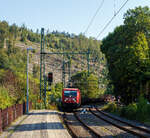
(50, 78)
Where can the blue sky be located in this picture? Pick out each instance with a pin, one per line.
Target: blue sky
(71, 16)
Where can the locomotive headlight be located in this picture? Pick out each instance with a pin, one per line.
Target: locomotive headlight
(66, 99)
(74, 99)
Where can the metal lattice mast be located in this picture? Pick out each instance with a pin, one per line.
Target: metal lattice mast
(44, 75)
(63, 74)
(88, 60)
(41, 61)
(69, 68)
(63, 70)
(42, 68)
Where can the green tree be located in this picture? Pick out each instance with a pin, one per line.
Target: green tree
(88, 85)
(138, 20)
(3, 60)
(3, 32)
(92, 87)
(127, 52)
(13, 29)
(24, 33)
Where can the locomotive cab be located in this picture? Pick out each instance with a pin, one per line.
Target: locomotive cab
(71, 98)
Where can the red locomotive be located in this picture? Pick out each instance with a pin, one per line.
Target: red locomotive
(71, 97)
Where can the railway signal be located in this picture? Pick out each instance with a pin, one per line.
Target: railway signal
(50, 78)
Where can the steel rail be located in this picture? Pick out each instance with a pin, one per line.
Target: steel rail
(68, 127)
(120, 127)
(86, 126)
(137, 127)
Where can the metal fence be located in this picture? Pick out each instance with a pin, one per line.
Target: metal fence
(8, 115)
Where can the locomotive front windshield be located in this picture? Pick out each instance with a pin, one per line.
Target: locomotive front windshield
(70, 93)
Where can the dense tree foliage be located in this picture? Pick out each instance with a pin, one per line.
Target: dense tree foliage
(13, 67)
(88, 84)
(127, 52)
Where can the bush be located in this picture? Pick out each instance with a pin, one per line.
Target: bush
(142, 109)
(52, 106)
(39, 105)
(3, 60)
(136, 111)
(123, 111)
(88, 84)
(139, 111)
(130, 111)
(112, 107)
(5, 98)
(149, 109)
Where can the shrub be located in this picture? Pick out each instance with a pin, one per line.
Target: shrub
(123, 111)
(131, 110)
(39, 105)
(139, 111)
(5, 98)
(112, 107)
(149, 109)
(52, 106)
(142, 109)
(136, 111)
(3, 60)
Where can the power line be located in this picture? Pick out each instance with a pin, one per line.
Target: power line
(112, 19)
(92, 19)
(114, 7)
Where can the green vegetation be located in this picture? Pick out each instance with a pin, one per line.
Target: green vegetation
(13, 83)
(110, 107)
(127, 52)
(54, 96)
(5, 99)
(88, 85)
(12, 61)
(13, 69)
(139, 111)
(54, 40)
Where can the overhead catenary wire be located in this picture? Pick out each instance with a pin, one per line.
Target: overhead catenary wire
(92, 19)
(114, 7)
(112, 19)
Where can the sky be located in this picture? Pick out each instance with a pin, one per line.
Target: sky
(71, 16)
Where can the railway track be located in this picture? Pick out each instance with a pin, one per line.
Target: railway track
(68, 126)
(128, 127)
(77, 128)
(103, 128)
(88, 125)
